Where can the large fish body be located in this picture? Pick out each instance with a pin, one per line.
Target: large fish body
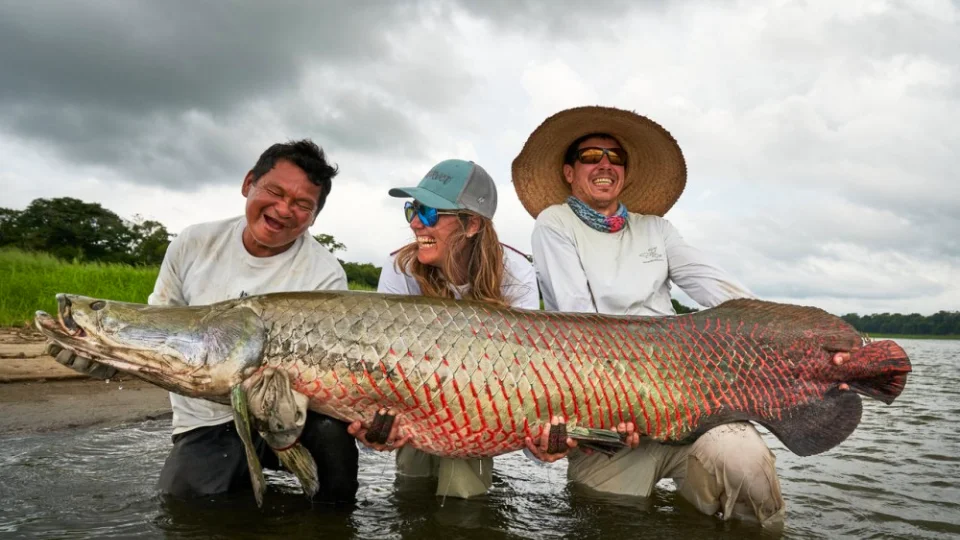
(473, 380)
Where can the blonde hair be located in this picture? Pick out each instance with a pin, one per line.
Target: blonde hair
(481, 254)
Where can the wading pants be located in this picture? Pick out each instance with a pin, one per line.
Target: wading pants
(210, 460)
(463, 478)
(728, 469)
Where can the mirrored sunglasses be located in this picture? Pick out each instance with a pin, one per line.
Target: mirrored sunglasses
(592, 155)
(428, 216)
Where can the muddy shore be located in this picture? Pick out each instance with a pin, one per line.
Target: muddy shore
(38, 394)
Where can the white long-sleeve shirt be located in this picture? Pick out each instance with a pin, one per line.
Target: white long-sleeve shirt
(627, 272)
(519, 281)
(207, 263)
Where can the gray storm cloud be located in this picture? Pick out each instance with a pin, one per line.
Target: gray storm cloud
(820, 137)
(143, 87)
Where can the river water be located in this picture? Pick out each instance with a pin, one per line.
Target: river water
(897, 476)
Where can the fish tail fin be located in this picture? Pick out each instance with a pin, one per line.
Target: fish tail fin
(807, 428)
(879, 370)
(815, 423)
(876, 369)
(819, 425)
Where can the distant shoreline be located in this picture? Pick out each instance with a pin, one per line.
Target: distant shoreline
(912, 336)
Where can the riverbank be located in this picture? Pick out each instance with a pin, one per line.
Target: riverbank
(38, 394)
(912, 336)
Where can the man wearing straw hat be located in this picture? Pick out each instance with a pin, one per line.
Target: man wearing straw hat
(598, 181)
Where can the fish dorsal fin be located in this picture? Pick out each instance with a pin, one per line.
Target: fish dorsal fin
(773, 312)
(785, 320)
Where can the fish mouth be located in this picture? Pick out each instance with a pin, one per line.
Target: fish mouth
(62, 328)
(65, 317)
(65, 331)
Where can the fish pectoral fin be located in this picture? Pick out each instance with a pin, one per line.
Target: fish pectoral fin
(241, 418)
(606, 441)
(298, 460)
(279, 412)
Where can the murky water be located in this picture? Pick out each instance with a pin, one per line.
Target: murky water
(897, 476)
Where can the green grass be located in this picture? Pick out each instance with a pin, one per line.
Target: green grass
(30, 281)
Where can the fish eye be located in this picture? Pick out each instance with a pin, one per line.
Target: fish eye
(98, 305)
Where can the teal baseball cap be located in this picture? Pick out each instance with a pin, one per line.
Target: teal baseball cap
(455, 184)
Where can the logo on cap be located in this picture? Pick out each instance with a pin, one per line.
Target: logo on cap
(439, 176)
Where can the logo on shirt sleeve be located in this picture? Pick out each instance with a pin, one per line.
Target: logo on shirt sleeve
(651, 255)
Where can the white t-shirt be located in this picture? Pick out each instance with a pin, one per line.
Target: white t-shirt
(519, 281)
(207, 263)
(627, 272)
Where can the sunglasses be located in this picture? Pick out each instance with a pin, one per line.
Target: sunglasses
(428, 216)
(592, 155)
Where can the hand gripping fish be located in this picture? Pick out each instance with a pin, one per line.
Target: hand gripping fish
(470, 379)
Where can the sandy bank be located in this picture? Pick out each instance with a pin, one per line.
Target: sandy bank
(38, 394)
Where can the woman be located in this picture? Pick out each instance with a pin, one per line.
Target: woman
(456, 254)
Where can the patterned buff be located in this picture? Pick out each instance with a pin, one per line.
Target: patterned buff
(597, 220)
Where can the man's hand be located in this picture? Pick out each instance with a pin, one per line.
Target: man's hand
(630, 435)
(79, 363)
(627, 430)
(395, 439)
(838, 360)
(540, 448)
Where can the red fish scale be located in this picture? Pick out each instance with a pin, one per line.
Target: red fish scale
(474, 380)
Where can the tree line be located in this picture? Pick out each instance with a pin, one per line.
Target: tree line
(363, 273)
(942, 323)
(75, 230)
(71, 229)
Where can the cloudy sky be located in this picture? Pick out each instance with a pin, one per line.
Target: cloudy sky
(821, 136)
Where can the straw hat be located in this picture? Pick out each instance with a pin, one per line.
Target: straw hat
(656, 171)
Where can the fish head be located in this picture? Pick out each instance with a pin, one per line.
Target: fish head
(199, 351)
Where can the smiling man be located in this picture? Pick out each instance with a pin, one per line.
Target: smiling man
(598, 181)
(266, 250)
